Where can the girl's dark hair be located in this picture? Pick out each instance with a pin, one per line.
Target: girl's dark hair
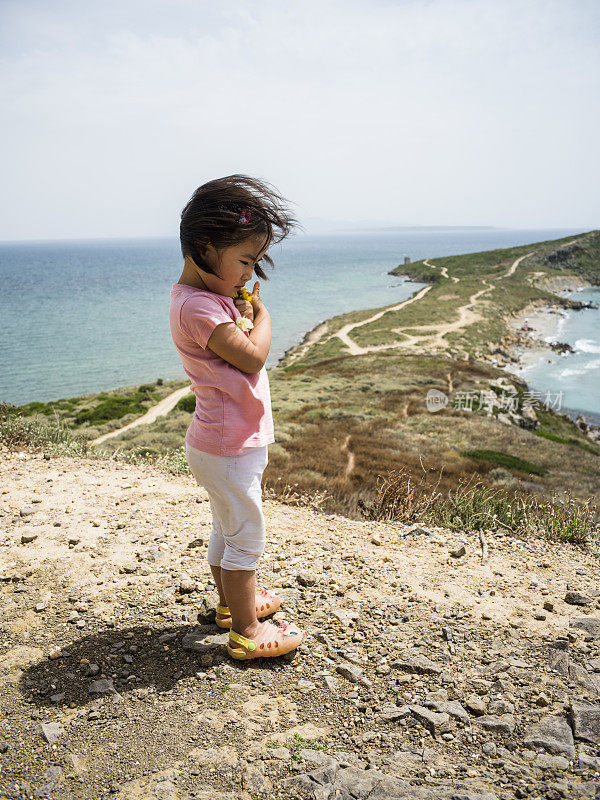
(213, 213)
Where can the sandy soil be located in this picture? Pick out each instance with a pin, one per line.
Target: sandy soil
(111, 688)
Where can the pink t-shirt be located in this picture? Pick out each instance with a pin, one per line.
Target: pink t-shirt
(233, 408)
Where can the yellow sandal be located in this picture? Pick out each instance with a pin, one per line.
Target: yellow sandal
(271, 640)
(267, 602)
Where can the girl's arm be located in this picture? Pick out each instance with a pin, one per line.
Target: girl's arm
(247, 353)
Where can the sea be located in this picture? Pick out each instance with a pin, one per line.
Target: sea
(82, 316)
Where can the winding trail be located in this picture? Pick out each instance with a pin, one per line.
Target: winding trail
(159, 410)
(467, 315)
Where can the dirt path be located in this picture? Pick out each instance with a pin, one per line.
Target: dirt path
(467, 315)
(422, 674)
(159, 410)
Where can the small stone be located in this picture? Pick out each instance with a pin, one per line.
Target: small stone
(489, 748)
(553, 734)
(415, 662)
(102, 686)
(476, 705)
(350, 671)
(393, 713)
(281, 753)
(96, 523)
(376, 539)
(27, 512)
(591, 625)
(544, 761)
(542, 700)
(548, 606)
(50, 731)
(431, 720)
(500, 707)
(458, 551)
(585, 719)
(498, 724)
(305, 579)
(577, 599)
(27, 538)
(40, 607)
(73, 540)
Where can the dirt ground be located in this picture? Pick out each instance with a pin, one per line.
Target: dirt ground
(423, 672)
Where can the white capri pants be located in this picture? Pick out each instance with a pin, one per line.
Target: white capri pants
(238, 533)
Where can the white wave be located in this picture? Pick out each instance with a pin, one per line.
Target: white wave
(587, 345)
(582, 370)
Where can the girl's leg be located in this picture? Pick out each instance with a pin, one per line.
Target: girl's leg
(245, 536)
(240, 590)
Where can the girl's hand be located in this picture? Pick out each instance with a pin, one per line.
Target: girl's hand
(245, 308)
(257, 303)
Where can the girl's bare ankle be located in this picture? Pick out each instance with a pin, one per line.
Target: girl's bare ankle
(249, 631)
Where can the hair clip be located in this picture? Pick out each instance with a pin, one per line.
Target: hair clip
(245, 217)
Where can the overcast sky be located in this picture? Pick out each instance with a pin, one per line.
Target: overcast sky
(415, 112)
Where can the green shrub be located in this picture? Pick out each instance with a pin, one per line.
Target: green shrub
(187, 403)
(113, 408)
(505, 460)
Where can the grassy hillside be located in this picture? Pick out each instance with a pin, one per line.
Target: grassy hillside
(344, 421)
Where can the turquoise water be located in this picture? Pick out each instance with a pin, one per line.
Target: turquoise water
(575, 375)
(84, 316)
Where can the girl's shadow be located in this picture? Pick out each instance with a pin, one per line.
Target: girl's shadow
(117, 662)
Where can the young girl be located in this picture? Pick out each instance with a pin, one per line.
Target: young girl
(226, 229)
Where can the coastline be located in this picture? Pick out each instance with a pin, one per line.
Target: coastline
(538, 324)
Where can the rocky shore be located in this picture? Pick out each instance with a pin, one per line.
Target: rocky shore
(434, 665)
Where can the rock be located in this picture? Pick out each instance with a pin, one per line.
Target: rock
(451, 707)
(458, 551)
(102, 686)
(545, 761)
(591, 625)
(431, 720)
(553, 734)
(305, 579)
(500, 707)
(186, 585)
(502, 724)
(476, 705)
(585, 721)
(376, 539)
(393, 713)
(201, 641)
(548, 606)
(350, 671)
(587, 761)
(50, 731)
(415, 662)
(577, 599)
(584, 678)
(27, 538)
(559, 660)
(27, 512)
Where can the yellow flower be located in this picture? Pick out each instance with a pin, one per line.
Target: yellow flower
(243, 294)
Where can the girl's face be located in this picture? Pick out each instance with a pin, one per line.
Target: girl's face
(235, 266)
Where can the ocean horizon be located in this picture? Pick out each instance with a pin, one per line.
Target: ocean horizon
(85, 316)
